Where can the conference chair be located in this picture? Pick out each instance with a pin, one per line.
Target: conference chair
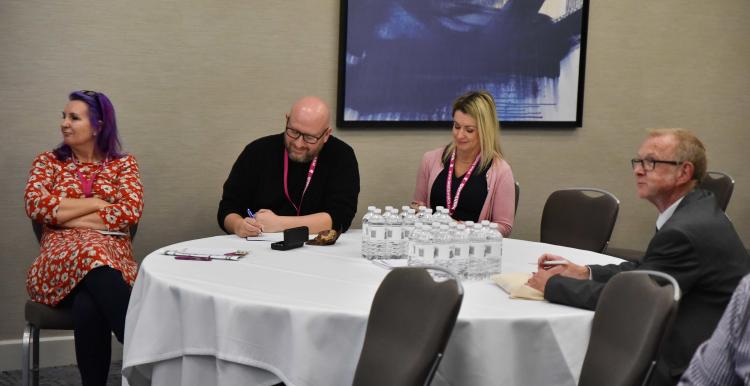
(634, 312)
(43, 317)
(518, 192)
(580, 218)
(411, 319)
(719, 183)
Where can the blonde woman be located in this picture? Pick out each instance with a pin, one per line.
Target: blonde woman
(469, 176)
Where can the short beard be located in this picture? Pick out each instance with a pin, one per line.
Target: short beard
(307, 157)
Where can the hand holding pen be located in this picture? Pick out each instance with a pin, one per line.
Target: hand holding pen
(250, 225)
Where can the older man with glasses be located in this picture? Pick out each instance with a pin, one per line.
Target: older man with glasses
(303, 176)
(694, 242)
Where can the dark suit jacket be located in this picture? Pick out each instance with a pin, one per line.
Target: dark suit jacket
(699, 247)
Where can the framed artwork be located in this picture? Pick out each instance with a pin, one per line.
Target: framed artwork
(403, 62)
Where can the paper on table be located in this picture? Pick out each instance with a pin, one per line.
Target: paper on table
(274, 236)
(213, 253)
(112, 233)
(391, 263)
(514, 283)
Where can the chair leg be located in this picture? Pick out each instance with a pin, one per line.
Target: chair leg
(35, 355)
(25, 354)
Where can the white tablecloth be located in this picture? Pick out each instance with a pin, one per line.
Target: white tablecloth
(299, 316)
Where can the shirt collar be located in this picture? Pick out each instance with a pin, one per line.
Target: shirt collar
(667, 213)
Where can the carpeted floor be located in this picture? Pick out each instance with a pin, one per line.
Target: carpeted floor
(60, 376)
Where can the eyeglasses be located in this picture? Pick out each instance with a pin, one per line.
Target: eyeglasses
(308, 138)
(650, 164)
(89, 93)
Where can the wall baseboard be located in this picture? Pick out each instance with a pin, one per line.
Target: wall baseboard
(53, 351)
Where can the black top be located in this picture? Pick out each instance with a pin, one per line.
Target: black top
(257, 182)
(472, 196)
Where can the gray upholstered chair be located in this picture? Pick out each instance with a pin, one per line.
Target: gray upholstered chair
(580, 218)
(633, 313)
(411, 319)
(43, 317)
(721, 185)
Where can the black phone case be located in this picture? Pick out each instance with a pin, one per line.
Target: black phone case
(293, 238)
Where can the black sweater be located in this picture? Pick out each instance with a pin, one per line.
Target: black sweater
(257, 182)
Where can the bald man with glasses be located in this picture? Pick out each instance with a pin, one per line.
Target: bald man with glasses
(303, 176)
(695, 243)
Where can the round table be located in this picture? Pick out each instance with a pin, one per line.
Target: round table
(299, 316)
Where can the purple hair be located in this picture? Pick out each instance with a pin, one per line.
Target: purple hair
(102, 117)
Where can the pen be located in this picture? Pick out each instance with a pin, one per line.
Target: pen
(252, 216)
(187, 257)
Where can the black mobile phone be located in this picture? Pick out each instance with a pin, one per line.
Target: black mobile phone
(293, 238)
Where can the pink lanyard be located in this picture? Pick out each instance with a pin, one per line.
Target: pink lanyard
(449, 183)
(88, 184)
(307, 183)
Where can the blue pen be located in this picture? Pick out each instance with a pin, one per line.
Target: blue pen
(252, 216)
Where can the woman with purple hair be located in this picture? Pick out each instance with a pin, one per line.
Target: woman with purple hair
(87, 194)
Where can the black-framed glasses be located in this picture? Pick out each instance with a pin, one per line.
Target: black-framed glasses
(308, 138)
(648, 164)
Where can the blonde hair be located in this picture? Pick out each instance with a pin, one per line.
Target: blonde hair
(481, 106)
(689, 148)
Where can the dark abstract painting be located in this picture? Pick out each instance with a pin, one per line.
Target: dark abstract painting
(403, 62)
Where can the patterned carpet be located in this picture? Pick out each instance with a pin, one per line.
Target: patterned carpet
(60, 376)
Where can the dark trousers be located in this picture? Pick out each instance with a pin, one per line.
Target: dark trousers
(99, 304)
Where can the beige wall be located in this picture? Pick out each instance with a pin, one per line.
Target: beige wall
(194, 81)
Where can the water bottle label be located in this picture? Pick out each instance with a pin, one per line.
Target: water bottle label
(443, 252)
(426, 252)
(461, 251)
(394, 233)
(377, 233)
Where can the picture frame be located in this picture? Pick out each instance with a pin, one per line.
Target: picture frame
(403, 62)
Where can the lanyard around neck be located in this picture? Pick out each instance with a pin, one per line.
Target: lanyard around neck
(310, 173)
(452, 204)
(87, 184)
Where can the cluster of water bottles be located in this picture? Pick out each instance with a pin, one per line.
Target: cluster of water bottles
(472, 250)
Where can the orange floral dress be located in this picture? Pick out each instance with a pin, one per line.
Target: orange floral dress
(68, 254)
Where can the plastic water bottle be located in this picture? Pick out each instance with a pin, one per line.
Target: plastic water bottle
(376, 228)
(443, 246)
(414, 241)
(365, 231)
(461, 245)
(475, 268)
(425, 249)
(446, 216)
(409, 221)
(494, 251)
(393, 235)
(425, 215)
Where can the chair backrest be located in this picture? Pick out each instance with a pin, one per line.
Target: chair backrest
(580, 218)
(721, 185)
(518, 192)
(632, 315)
(38, 227)
(411, 319)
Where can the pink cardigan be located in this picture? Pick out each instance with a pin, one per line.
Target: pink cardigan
(499, 206)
